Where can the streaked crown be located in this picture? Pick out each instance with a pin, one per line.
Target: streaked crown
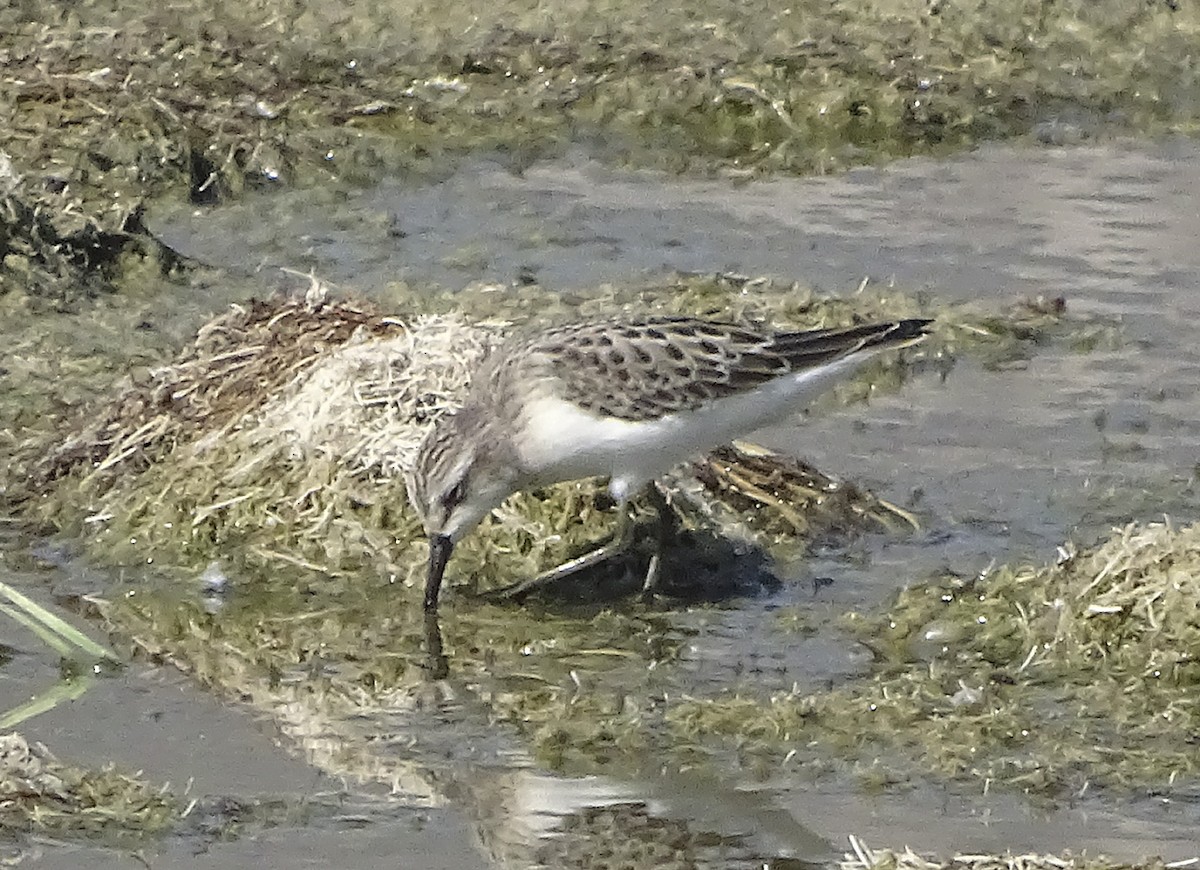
(456, 478)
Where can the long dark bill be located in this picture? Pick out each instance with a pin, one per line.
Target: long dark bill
(440, 548)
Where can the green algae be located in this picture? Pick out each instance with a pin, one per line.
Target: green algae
(229, 94)
(43, 798)
(1037, 678)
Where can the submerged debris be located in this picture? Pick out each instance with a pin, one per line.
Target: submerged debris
(632, 835)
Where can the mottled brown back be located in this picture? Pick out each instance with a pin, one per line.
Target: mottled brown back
(645, 369)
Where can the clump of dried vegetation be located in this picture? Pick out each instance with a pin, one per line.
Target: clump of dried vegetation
(41, 795)
(865, 858)
(282, 433)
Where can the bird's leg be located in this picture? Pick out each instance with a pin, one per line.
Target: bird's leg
(620, 542)
(662, 529)
(436, 663)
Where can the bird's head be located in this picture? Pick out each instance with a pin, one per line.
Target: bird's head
(458, 476)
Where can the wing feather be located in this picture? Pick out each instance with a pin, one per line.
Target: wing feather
(666, 365)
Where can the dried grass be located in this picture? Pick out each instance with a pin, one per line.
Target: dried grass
(864, 858)
(39, 794)
(282, 434)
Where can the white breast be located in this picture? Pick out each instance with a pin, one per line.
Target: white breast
(559, 441)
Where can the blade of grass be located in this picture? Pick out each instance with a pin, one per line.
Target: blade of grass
(63, 690)
(52, 640)
(51, 623)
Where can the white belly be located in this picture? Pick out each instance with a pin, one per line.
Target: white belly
(561, 441)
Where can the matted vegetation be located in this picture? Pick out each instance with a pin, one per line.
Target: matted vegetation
(1040, 678)
(41, 795)
(865, 858)
(111, 104)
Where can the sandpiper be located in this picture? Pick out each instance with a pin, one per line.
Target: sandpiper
(626, 400)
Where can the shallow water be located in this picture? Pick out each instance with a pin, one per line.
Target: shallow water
(155, 720)
(1000, 464)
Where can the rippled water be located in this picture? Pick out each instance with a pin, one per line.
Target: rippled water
(1001, 465)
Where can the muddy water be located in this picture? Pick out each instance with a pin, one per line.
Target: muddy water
(1000, 464)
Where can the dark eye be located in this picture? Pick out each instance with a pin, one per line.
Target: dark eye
(455, 494)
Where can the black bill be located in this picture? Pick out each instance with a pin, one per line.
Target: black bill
(440, 548)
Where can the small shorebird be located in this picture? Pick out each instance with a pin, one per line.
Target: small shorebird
(626, 400)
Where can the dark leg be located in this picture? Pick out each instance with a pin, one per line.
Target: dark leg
(436, 663)
(662, 528)
(620, 542)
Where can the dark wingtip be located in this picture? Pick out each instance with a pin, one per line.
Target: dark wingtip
(911, 329)
(881, 334)
(814, 347)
